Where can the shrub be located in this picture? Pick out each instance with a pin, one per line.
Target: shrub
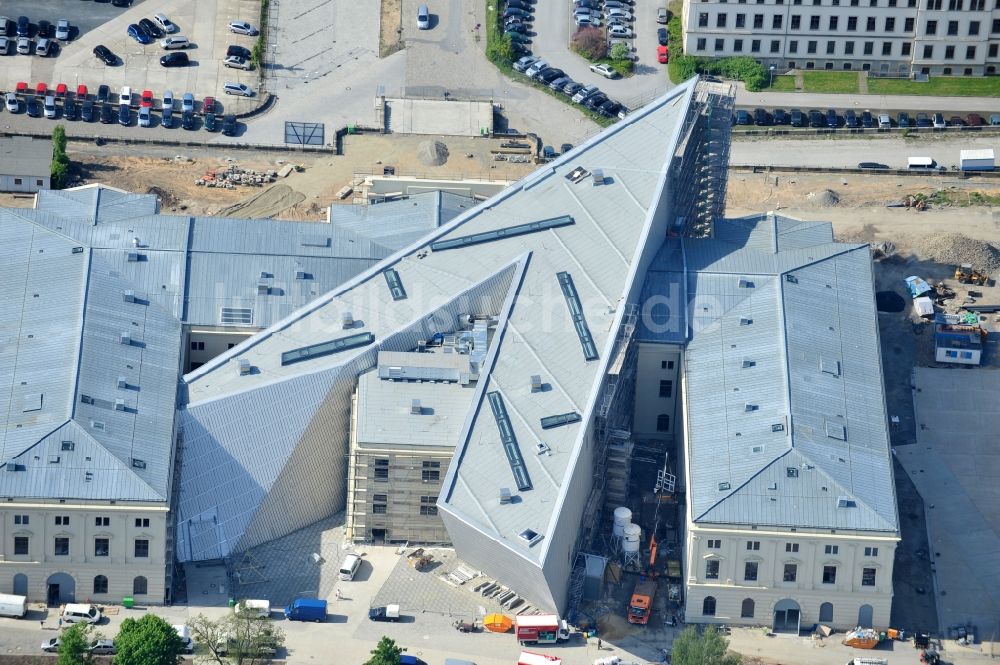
(589, 42)
(59, 169)
(500, 48)
(619, 52)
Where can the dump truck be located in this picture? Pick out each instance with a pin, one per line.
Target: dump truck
(540, 629)
(641, 605)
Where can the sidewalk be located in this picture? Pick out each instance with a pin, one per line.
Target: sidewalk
(805, 100)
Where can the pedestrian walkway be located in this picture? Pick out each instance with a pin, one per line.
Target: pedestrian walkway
(981, 105)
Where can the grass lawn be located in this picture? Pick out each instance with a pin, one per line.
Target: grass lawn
(783, 83)
(945, 86)
(836, 82)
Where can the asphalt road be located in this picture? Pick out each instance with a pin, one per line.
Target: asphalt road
(83, 16)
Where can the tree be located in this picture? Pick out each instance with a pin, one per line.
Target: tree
(501, 48)
(74, 645)
(241, 638)
(148, 641)
(619, 51)
(59, 169)
(589, 42)
(707, 648)
(386, 653)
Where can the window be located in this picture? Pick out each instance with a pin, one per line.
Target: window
(791, 571)
(791, 547)
(814, 23)
(949, 52)
(720, 20)
(758, 21)
(890, 24)
(928, 54)
(142, 522)
(870, 24)
(970, 54)
(776, 21)
(669, 364)
(197, 346)
(700, 44)
(62, 520)
(811, 47)
(663, 420)
(737, 48)
(952, 27)
(796, 21)
(831, 549)
(931, 28)
(908, 25)
(950, 354)
(102, 547)
(102, 521)
(100, 584)
(378, 508)
(746, 610)
(17, 181)
(714, 544)
(994, 50)
(741, 22)
(381, 469)
(666, 388)
(720, 44)
(955, 5)
(712, 569)
(21, 545)
(793, 47)
(753, 545)
(867, 577)
(38, 183)
(833, 22)
(142, 548)
(977, 5)
(829, 574)
(139, 586)
(20, 519)
(973, 28)
(708, 606)
(848, 48)
(934, 5)
(431, 472)
(428, 505)
(62, 547)
(775, 46)
(703, 20)
(750, 571)
(886, 48)
(230, 345)
(852, 23)
(831, 47)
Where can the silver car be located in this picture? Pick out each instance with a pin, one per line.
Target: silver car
(11, 102)
(24, 45)
(242, 28)
(5, 44)
(62, 30)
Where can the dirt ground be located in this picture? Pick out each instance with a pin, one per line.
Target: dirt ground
(303, 195)
(390, 28)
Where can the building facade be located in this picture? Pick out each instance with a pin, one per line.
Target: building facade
(25, 164)
(886, 37)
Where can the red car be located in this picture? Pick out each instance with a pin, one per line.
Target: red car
(21, 88)
(662, 54)
(208, 106)
(61, 90)
(41, 89)
(147, 99)
(81, 91)
(975, 120)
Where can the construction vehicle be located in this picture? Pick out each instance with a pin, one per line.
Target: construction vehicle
(641, 605)
(965, 274)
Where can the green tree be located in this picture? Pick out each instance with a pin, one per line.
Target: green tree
(74, 644)
(501, 48)
(619, 51)
(240, 638)
(147, 641)
(386, 653)
(59, 170)
(706, 648)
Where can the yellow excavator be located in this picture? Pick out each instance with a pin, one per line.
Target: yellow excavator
(965, 274)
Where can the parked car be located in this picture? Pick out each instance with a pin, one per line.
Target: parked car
(69, 110)
(208, 105)
(103, 93)
(43, 47)
(24, 45)
(974, 120)
(609, 109)
(832, 121)
(661, 15)
(174, 42)
(761, 117)
(138, 34)
(549, 75)
(867, 121)
(124, 115)
(592, 5)
(884, 121)
(44, 29)
(525, 62)
(780, 117)
(661, 36)
(816, 119)
(87, 111)
(102, 648)
(924, 121)
(872, 165)
(535, 67)
(519, 5)
(621, 14)
(594, 101)
(384, 613)
(11, 102)
(605, 71)
(557, 84)
(519, 28)
(151, 28)
(187, 102)
(51, 645)
(187, 120)
(34, 107)
(939, 122)
(797, 118)
(995, 119)
(956, 121)
(619, 31)
(168, 99)
(166, 24)
(239, 52)
(62, 30)
(903, 120)
(239, 89)
(423, 18)
(167, 117)
(23, 26)
(585, 92)
(850, 119)
(514, 11)
(229, 125)
(742, 118)
(242, 28)
(662, 54)
(121, 3)
(146, 100)
(236, 62)
(210, 122)
(5, 45)
(587, 22)
(107, 114)
(145, 117)
(571, 88)
(178, 59)
(125, 95)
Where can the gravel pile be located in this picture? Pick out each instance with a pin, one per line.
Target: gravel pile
(956, 249)
(432, 153)
(827, 197)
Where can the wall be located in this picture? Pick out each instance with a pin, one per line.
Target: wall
(656, 363)
(207, 343)
(120, 566)
(8, 183)
(940, 355)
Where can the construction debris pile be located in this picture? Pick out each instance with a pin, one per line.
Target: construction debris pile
(957, 249)
(234, 176)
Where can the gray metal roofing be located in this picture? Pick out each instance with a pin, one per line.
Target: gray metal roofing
(399, 223)
(24, 156)
(783, 370)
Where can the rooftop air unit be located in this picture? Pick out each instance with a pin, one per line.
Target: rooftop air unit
(122, 383)
(132, 257)
(119, 405)
(346, 320)
(125, 339)
(415, 408)
(262, 288)
(244, 366)
(129, 296)
(598, 177)
(536, 383)
(504, 495)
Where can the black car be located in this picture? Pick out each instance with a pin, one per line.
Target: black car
(585, 4)
(923, 120)
(850, 119)
(797, 118)
(609, 109)
(151, 28)
(210, 122)
(816, 119)
(187, 120)
(903, 120)
(551, 74)
(104, 54)
(517, 4)
(107, 114)
(87, 111)
(124, 115)
(175, 59)
(102, 93)
(761, 117)
(168, 117)
(23, 26)
(594, 101)
(69, 110)
(743, 118)
(121, 3)
(239, 52)
(519, 28)
(229, 125)
(661, 36)
(872, 165)
(780, 117)
(832, 121)
(867, 121)
(44, 29)
(34, 107)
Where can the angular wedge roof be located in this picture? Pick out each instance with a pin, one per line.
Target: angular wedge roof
(786, 418)
(552, 260)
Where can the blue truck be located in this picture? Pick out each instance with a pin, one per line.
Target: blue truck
(306, 609)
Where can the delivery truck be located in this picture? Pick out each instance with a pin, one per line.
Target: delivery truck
(540, 629)
(641, 605)
(13, 606)
(530, 658)
(977, 160)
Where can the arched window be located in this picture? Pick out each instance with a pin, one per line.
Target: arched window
(100, 584)
(708, 606)
(663, 423)
(746, 612)
(139, 586)
(826, 612)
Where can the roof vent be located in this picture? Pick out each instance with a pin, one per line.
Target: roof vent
(53, 459)
(68, 445)
(757, 449)
(778, 427)
(138, 463)
(415, 408)
(724, 487)
(529, 536)
(122, 382)
(302, 275)
(746, 283)
(748, 407)
(791, 279)
(132, 257)
(836, 431)
(13, 466)
(745, 321)
(265, 275)
(828, 366)
(504, 495)
(577, 174)
(598, 176)
(846, 502)
(791, 472)
(125, 339)
(346, 320)
(536, 383)
(262, 288)
(119, 405)
(772, 486)
(421, 345)
(77, 250)
(244, 366)
(128, 296)
(135, 241)
(747, 363)
(542, 448)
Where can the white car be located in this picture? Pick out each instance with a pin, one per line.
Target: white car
(242, 28)
(24, 45)
(62, 30)
(621, 13)
(168, 26)
(187, 103)
(10, 101)
(168, 99)
(619, 31)
(5, 43)
(51, 645)
(604, 71)
(588, 22)
(236, 62)
(535, 68)
(525, 62)
(145, 118)
(125, 96)
(241, 89)
(50, 107)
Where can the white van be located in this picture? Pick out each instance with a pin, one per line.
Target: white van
(261, 608)
(13, 606)
(185, 635)
(920, 163)
(80, 613)
(349, 568)
(174, 42)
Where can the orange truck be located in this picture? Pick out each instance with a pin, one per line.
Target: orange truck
(642, 601)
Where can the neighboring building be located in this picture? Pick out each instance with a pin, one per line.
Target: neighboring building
(957, 342)
(791, 512)
(898, 38)
(25, 164)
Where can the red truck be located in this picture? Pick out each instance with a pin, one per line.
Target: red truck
(540, 629)
(642, 602)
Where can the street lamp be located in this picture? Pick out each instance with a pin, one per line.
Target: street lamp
(771, 84)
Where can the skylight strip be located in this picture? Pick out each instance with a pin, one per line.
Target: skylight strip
(326, 348)
(576, 313)
(498, 234)
(509, 441)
